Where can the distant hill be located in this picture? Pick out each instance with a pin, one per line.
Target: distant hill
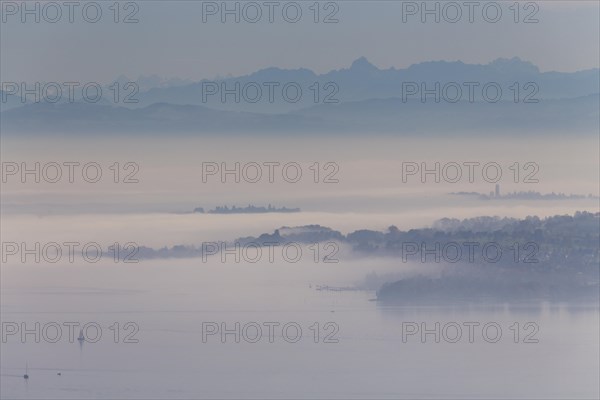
(386, 115)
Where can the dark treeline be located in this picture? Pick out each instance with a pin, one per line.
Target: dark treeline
(556, 258)
(561, 242)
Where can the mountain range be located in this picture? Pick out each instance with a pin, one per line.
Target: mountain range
(355, 99)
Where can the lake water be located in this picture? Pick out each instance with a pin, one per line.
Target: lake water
(360, 353)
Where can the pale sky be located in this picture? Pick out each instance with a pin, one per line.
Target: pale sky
(171, 40)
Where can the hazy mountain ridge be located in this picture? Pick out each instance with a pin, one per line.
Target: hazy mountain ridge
(364, 81)
(360, 81)
(391, 115)
(362, 98)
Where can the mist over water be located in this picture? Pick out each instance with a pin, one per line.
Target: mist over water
(170, 299)
(370, 358)
(368, 173)
(369, 192)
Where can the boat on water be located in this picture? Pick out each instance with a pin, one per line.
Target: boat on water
(81, 338)
(26, 376)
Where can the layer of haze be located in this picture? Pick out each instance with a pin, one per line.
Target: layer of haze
(370, 192)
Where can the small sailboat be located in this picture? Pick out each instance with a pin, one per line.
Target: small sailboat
(81, 338)
(26, 376)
